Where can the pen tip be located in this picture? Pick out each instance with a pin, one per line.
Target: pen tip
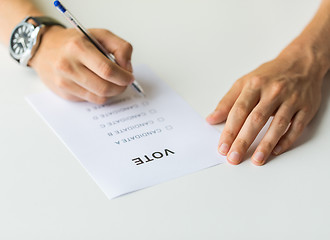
(138, 88)
(141, 92)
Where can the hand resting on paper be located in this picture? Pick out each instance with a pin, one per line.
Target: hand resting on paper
(288, 88)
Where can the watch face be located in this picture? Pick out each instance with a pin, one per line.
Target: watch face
(21, 40)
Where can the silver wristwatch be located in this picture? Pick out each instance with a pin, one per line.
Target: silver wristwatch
(26, 36)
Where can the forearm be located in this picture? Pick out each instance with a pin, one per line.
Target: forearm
(315, 38)
(11, 13)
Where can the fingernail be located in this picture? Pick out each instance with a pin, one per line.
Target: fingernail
(223, 149)
(234, 157)
(277, 150)
(258, 157)
(129, 66)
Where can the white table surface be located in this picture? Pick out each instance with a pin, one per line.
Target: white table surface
(199, 47)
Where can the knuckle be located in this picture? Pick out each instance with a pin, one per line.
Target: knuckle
(242, 143)
(101, 100)
(239, 83)
(287, 143)
(63, 66)
(70, 97)
(95, 99)
(276, 89)
(240, 110)
(258, 117)
(223, 107)
(84, 80)
(106, 71)
(118, 91)
(299, 126)
(75, 44)
(228, 134)
(267, 146)
(307, 110)
(127, 46)
(294, 99)
(61, 83)
(282, 122)
(256, 82)
(104, 90)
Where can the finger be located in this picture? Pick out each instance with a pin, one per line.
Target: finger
(249, 131)
(93, 59)
(223, 108)
(120, 48)
(70, 88)
(58, 88)
(67, 96)
(299, 122)
(93, 83)
(277, 129)
(236, 118)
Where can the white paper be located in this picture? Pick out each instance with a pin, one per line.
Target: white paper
(133, 142)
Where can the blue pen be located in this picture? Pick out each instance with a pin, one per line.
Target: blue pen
(93, 40)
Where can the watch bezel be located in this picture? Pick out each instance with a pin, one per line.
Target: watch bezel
(32, 28)
(38, 26)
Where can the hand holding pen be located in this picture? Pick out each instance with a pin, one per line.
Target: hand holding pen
(72, 67)
(93, 40)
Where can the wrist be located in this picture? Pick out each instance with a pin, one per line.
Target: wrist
(308, 56)
(318, 50)
(45, 43)
(313, 42)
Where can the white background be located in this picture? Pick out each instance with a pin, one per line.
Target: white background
(200, 47)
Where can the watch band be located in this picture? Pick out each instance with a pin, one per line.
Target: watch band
(47, 21)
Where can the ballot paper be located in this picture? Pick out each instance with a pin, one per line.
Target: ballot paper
(133, 142)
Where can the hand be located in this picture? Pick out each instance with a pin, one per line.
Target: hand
(288, 88)
(74, 69)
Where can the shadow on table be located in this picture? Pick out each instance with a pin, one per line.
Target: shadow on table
(311, 130)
